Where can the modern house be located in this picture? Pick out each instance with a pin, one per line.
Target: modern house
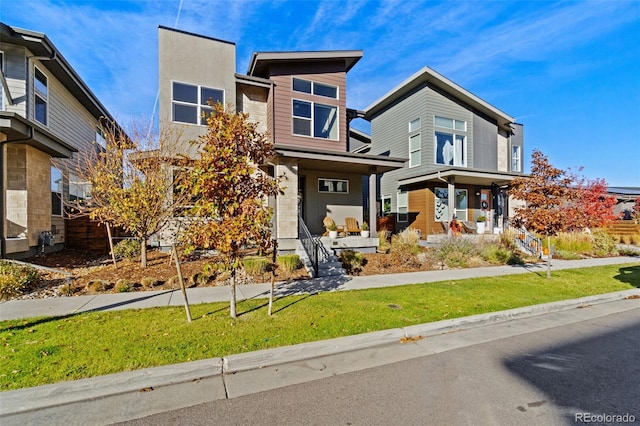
(46, 112)
(300, 100)
(462, 151)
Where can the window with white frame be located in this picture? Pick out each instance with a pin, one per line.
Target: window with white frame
(451, 149)
(450, 123)
(337, 186)
(442, 204)
(516, 165)
(386, 205)
(315, 120)
(315, 88)
(100, 139)
(41, 96)
(415, 143)
(191, 104)
(56, 191)
(403, 206)
(79, 189)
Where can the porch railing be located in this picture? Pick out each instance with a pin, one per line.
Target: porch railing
(527, 241)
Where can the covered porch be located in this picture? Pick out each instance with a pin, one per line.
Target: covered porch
(471, 195)
(319, 183)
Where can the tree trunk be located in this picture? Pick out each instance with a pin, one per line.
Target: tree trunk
(232, 302)
(143, 253)
(548, 257)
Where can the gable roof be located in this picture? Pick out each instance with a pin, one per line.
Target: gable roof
(261, 60)
(428, 76)
(40, 45)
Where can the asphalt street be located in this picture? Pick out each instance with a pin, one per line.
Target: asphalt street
(558, 375)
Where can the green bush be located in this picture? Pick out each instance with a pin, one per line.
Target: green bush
(127, 249)
(289, 262)
(603, 243)
(255, 265)
(16, 280)
(123, 286)
(455, 252)
(352, 261)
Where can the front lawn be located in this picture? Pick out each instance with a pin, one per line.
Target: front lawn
(47, 350)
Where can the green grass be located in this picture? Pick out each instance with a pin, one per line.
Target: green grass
(47, 350)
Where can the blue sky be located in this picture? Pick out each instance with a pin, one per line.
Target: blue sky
(568, 71)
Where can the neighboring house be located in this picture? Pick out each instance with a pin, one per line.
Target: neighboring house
(300, 100)
(46, 111)
(627, 197)
(462, 151)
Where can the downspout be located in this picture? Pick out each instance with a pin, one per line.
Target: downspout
(3, 243)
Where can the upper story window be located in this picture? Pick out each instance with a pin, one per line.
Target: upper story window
(450, 123)
(415, 143)
(41, 95)
(516, 164)
(100, 139)
(451, 149)
(315, 120)
(191, 103)
(315, 88)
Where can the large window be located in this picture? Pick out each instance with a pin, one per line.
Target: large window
(314, 119)
(516, 165)
(41, 95)
(338, 186)
(191, 104)
(56, 191)
(315, 88)
(403, 206)
(451, 149)
(442, 204)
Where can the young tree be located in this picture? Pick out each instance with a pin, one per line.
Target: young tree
(230, 211)
(130, 182)
(546, 192)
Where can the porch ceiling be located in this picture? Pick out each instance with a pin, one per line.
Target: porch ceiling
(314, 159)
(464, 176)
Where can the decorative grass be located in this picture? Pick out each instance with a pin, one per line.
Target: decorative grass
(47, 350)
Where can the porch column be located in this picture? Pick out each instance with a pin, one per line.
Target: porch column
(451, 199)
(372, 204)
(287, 202)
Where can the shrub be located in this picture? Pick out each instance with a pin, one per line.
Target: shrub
(383, 240)
(149, 282)
(127, 249)
(455, 252)
(406, 242)
(352, 261)
(289, 262)
(573, 242)
(199, 278)
(629, 252)
(123, 286)
(16, 280)
(603, 243)
(566, 255)
(98, 286)
(255, 265)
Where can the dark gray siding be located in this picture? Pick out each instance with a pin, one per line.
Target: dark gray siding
(485, 155)
(390, 134)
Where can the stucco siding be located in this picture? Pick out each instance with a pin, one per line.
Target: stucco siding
(195, 60)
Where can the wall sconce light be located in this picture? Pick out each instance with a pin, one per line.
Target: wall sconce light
(477, 193)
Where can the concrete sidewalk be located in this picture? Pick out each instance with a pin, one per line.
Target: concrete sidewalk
(59, 306)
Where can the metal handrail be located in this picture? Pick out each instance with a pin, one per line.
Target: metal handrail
(527, 241)
(309, 243)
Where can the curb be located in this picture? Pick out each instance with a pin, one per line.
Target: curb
(27, 400)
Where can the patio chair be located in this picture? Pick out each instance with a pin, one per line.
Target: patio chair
(328, 222)
(469, 227)
(445, 226)
(352, 225)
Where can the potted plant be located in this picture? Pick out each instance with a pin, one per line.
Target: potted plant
(364, 230)
(333, 230)
(480, 224)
